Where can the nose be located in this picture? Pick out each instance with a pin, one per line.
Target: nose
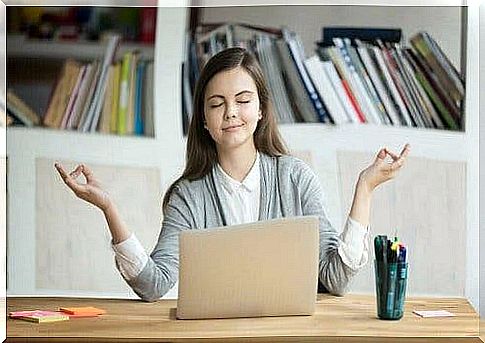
(231, 111)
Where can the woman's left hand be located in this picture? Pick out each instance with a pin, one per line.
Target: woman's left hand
(381, 170)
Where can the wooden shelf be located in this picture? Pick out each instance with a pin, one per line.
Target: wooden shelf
(20, 46)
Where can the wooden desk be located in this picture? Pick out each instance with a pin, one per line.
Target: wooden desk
(344, 319)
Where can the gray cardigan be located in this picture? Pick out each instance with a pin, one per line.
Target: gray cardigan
(288, 188)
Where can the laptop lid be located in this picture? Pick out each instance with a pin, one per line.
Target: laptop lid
(266, 268)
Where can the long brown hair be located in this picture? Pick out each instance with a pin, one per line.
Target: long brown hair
(201, 153)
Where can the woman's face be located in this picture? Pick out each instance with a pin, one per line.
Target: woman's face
(231, 108)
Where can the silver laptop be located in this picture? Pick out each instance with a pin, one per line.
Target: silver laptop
(266, 268)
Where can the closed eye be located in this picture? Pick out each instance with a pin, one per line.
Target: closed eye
(217, 105)
(244, 102)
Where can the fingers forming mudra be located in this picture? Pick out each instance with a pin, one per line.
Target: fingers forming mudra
(89, 191)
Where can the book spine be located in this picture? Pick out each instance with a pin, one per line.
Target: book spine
(409, 75)
(380, 88)
(149, 122)
(404, 87)
(441, 92)
(92, 121)
(357, 86)
(124, 93)
(422, 48)
(337, 85)
(115, 98)
(89, 99)
(331, 55)
(73, 98)
(350, 84)
(324, 88)
(390, 84)
(413, 70)
(138, 98)
(307, 83)
(375, 103)
(446, 64)
(434, 97)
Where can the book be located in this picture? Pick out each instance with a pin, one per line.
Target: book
(299, 101)
(338, 86)
(403, 86)
(443, 70)
(348, 81)
(113, 125)
(381, 89)
(140, 72)
(61, 93)
(105, 118)
(73, 97)
(358, 87)
(413, 86)
(426, 102)
(20, 110)
(442, 103)
(367, 85)
(91, 86)
(124, 92)
(94, 112)
(149, 122)
(324, 87)
(296, 52)
(130, 108)
(272, 70)
(389, 82)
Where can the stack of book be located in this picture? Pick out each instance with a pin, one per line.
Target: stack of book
(354, 80)
(104, 96)
(382, 82)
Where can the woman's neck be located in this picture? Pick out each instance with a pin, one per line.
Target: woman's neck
(238, 162)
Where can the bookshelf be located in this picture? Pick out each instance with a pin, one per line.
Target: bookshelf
(82, 68)
(328, 146)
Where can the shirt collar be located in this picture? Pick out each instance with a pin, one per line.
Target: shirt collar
(250, 182)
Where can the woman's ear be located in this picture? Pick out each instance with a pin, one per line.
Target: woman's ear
(260, 114)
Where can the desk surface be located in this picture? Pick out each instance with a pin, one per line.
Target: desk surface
(351, 318)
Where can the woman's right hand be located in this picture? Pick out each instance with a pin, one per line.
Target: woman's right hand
(90, 191)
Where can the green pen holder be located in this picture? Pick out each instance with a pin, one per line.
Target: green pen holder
(391, 280)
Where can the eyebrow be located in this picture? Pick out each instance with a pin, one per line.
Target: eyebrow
(220, 96)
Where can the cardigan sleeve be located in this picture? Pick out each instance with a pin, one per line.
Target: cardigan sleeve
(160, 273)
(334, 273)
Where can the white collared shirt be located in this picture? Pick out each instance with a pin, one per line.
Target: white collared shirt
(243, 197)
(243, 205)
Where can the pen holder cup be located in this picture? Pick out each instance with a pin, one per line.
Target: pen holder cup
(391, 280)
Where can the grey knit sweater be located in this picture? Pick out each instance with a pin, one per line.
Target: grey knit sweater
(288, 188)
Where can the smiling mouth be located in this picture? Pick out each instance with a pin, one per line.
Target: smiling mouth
(232, 128)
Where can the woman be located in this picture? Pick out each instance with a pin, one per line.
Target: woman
(237, 170)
